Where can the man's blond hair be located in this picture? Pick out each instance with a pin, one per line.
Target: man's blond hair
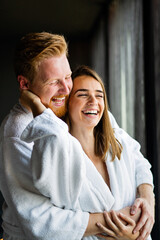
(34, 48)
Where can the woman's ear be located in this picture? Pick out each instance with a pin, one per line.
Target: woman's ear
(23, 82)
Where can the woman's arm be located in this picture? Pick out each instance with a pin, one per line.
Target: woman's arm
(32, 102)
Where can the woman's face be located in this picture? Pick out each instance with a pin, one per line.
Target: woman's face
(86, 103)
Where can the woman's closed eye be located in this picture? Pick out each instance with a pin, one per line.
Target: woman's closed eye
(82, 95)
(99, 96)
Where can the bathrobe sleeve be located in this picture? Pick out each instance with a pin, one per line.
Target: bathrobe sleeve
(142, 165)
(34, 216)
(55, 154)
(57, 160)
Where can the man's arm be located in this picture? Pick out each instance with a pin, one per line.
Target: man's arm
(144, 183)
(37, 217)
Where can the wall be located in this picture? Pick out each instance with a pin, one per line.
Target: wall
(8, 90)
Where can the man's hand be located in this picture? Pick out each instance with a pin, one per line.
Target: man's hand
(146, 203)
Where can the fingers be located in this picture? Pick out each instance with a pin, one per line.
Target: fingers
(112, 220)
(124, 225)
(23, 99)
(119, 226)
(140, 223)
(105, 230)
(115, 225)
(111, 226)
(27, 94)
(118, 222)
(126, 219)
(32, 102)
(146, 230)
(146, 219)
(105, 237)
(135, 206)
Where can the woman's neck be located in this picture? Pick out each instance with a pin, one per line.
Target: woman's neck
(86, 137)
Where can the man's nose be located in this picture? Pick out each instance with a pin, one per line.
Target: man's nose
(64, 88)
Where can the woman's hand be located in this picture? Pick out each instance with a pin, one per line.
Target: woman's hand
(120, 225)
(32, 102)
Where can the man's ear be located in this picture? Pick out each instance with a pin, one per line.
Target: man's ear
(23, 82)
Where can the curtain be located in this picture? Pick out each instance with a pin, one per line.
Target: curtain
(125, 66)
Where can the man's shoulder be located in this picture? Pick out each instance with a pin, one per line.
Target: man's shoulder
(16, 121)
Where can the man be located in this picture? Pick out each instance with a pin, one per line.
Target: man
(42, 67)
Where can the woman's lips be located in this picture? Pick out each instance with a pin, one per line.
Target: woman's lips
(90, 112)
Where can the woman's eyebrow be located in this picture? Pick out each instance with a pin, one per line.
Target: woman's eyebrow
(100, 91)
(81, 90)
(86, 90)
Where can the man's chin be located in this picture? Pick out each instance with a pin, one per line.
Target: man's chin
(59, 112)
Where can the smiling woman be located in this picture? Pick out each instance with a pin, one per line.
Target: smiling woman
(88, 112)
(86, 103)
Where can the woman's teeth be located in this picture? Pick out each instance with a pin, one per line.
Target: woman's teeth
(94, 112)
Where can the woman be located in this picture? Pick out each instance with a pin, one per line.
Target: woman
(105, 180)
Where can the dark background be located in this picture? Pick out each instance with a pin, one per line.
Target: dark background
(90, 28)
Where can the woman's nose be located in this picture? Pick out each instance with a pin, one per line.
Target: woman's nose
(92, 100)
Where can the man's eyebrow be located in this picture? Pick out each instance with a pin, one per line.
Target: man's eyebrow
(55, 78)
(69, 74)
(86, 90)
(49, 80)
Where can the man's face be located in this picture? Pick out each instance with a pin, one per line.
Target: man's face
(53, 83)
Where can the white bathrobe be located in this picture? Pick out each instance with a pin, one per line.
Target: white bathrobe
(27, 214)
(62, 171)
